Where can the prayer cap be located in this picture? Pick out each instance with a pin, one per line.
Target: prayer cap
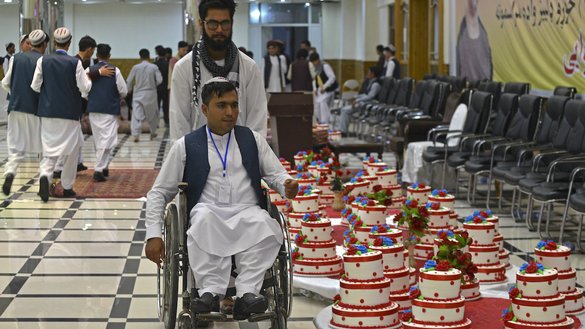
(62, 35)
(216, 79)
(37, 37)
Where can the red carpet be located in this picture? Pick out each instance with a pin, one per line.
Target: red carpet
(122, 184)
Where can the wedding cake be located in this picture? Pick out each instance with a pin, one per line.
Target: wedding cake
(484, 252)
(314, 253)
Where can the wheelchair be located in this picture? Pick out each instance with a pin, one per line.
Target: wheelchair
(277, 285)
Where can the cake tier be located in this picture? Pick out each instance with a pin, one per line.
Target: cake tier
(362, 233)
(447, 201)
(372, 215)
(439, 311)
(318, 267)
(423, 251)
(326, 199)
(568, 323)
(415, 324)
(378, 318)
(438, 242)
(325, 187)
(558, 259)
(453, 219)
(281, 205)
(504, 256)
(295, 219)
(399, 280)
(305, 203)
(372, 179)
(499, 240)
(392, 233)
(402, 299)
(285, 164)
(439, 218)
(439, 284)
(292, 232)
(306, 182)
(491, 273)
(482, 233)
(275, 196)
(574, 302)
(419, 194)
(397, 202)
(370, 294)
(470, 290)
(495, 220)
(324, 171)
(300, 160)
(360, 188)
(364, 267)
(566, 281)
(393, 256)
(374, 167)
(483, 255)
(317, 250)
(431, 235)
(387, 178)
(539, 310)
(412, 279)
(317, 231)
(313, 170)
(538, 285)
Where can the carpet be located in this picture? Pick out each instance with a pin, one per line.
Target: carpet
(121, 184)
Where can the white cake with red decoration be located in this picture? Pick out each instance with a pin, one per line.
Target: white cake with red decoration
(385, 230)
(300, 158)
(552, 255)
(397, 198)
(314, 253)
(305, 201)
(443, 197)
(418, 192)
(437, 301)
(358, 185)
(485, 253)
(364, 298)
(306, 180)
(387, 176)
(438, 215)
(371, 212)
(374, 167)
(536, 301)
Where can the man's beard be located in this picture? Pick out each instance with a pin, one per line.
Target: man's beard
(215, 45)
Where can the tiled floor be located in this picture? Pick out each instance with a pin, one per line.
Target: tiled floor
(79, 263)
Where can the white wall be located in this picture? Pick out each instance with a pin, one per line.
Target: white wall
(8, 26)
(241, 25)
(127, 27)
(331, 26)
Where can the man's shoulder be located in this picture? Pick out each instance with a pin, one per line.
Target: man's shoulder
(246, 61)
(185, 60)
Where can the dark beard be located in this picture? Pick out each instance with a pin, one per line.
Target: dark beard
(214, 45)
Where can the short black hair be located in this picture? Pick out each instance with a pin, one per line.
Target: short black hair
(144, 53)
(158, 48)
(182, 44)
(313, 57)
(103, 50)
(86, 42)
(380, 48)
(376, 70)
(168, 51)
(216, 89)
(307, 42)
(160, 52)
(10, 45)
(205, 5)
(302, 53)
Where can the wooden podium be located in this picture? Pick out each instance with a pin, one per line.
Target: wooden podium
(291, 122)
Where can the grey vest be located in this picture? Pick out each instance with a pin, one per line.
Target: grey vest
(22, 97)
(59, 93)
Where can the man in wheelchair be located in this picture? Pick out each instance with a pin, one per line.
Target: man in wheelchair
(222, 164)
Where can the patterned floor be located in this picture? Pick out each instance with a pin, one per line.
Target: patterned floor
(79, 263)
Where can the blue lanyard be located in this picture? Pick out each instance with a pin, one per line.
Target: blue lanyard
(224, 159)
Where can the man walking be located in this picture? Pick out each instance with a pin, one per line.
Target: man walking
(60, 78)
(24, 126)
(142, 81)
(215, 55)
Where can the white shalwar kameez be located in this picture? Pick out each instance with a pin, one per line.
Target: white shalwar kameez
(184, 118)
(223, 224)
(61, 137)
(276, 80)
(324, 98)
(104, 128)
(144, 79)
(23, 132)
(413, 161)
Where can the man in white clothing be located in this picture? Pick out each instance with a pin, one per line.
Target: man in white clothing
(224, 200)
(216, 55)
(24, 126)
(103, 106)
(274, 67)
(142, 81)
(324, 87)
(60, 78)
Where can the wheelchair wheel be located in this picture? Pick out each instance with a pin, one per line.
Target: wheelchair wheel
(280, 292)
(170, 284)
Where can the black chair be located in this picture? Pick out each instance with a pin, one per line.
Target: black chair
(363, 108)
(576, 202)
(492, 87)
(518, 88)
(565, 91)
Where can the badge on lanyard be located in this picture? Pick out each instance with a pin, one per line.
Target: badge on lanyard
(224, 191)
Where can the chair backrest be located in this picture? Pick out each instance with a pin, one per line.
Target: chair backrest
(518, 88)
(481, 103)
(458, 83)
(451, 105)
(493, 87)
(438, 108)
(457, 121)
(429, 96)
(387, 84)
(405, 87)
(575, 117)
(506, 109)
(393, 94)
(549, 125)
(565, 91)
(524, 123)
(417, 94)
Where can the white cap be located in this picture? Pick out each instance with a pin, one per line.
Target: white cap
(392, 48)
(37, 37)
(62, 35)
(23, 37)
(216, 79)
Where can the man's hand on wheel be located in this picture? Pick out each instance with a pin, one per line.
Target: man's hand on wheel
(155, 250)
(291, 187)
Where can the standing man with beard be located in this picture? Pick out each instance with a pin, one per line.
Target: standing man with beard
(216, 55)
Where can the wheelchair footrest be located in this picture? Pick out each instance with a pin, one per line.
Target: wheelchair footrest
(261, 316)
(213, 317)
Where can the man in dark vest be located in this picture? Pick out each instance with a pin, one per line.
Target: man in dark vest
(24, 126)
(103, 106)
(225, 203)
(60, 78)
(372, 90)
(324, 87)
(299, 72)
(273, 65)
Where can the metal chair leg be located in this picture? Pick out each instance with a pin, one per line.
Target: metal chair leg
(489, 190)
(563, 222)
(469, 188)
(513, 207)
(579, 232)
(529, 213)
(540, 215)
(502, 184)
